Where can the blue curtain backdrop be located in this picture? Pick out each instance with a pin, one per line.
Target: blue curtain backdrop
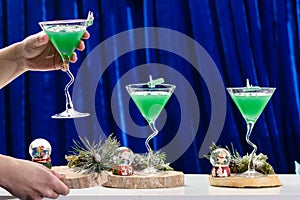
(251, 39)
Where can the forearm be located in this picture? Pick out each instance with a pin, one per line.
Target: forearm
(6, 163)
(10, 67)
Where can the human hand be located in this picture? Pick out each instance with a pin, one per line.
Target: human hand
(29, 180)
(37, 53)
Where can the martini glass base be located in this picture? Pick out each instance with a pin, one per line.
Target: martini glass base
(149, 171)
(69, 114)
(251, 174)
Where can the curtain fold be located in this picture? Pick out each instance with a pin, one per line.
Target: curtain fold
(258, 40)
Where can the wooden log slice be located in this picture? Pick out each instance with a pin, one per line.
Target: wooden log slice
(243, 182)
(76, 180)
(166, 179)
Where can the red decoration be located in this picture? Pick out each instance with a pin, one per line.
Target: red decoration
(46, 162)
(220, 171)
(123, 170)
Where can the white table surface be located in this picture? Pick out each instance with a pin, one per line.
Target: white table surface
(196, 187)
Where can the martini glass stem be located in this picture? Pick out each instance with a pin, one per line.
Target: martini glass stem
(69, 103)
(251, 167)
(150, 137)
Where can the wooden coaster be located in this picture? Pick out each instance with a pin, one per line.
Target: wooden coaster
(241, 182)
(79, 180)
(167, 179)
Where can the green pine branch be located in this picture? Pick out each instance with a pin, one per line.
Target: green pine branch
(92, 157)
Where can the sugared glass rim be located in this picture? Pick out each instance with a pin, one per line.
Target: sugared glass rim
(253, 89)
(139, 86)
(64, 21)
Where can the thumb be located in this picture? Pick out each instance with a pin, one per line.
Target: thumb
(40, 39)
(61, 176)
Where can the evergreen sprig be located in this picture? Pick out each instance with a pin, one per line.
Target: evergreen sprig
(92, 157)
(159, 158)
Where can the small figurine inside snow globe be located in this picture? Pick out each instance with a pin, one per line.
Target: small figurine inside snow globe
(220, 159)
(40, 151)
(122, 159)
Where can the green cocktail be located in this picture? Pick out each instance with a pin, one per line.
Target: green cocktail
(65, 35)
(150, 98)
(150, 104)
(65, 38)
(251, 101)
(251, 106)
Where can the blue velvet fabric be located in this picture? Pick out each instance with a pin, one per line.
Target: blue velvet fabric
(251, 39)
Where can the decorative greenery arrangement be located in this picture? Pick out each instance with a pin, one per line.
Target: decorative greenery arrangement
(92, 157)
(140, 161)
(239, 164)
(97, 157)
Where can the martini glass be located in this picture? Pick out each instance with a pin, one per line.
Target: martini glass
(251, 101)
(150, 99)
(65, 36)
